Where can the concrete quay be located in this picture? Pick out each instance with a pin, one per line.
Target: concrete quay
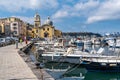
(14, 67)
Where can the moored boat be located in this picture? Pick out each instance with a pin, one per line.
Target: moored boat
(105, 64)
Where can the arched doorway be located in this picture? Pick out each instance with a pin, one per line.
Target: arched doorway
(46, 34)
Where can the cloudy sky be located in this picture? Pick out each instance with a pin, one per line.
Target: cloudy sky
(68, 15)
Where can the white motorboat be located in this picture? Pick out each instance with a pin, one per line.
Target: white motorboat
(107, 64)
(74, 55)
(112, 42)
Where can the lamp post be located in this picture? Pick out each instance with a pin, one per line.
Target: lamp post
(27, 30)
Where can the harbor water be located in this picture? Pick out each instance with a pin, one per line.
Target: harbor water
(66, 71)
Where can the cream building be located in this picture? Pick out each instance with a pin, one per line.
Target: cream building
(12, 26)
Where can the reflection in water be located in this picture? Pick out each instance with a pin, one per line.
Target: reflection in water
(66, 71)
(56, 70)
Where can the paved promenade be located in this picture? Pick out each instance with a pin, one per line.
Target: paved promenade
(12, 66)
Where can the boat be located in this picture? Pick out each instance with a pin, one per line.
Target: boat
(108, 61)
(70, 56)
(102, 64)
(113, 42)
(78, 42)
(96, 41)
(87, 42)
(74, 55)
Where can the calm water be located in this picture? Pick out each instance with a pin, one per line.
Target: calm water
(66, 71)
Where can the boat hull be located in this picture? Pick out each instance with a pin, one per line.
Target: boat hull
(101, 66)
(75, 60)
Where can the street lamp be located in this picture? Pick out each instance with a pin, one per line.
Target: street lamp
(27, 30)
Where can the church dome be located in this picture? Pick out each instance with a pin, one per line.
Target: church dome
(48, 21)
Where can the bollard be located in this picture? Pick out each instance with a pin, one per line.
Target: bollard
(16, 44)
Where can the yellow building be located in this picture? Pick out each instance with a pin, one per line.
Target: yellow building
(37, 24)
(47, 30)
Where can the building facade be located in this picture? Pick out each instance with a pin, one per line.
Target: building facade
(47, 30)
(12, 26)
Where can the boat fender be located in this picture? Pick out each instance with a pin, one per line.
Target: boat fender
(93, 52)
(81, 59)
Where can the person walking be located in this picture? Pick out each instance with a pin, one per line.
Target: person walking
(26, 41)
(20, 41)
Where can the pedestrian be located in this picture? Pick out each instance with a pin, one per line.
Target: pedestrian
(26, 41)
(20, 41)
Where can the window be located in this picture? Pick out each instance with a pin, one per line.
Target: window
(36, 31)
(14, 27)
(36, 25)
(14, 24)
(48, 29)
(32, 31)
(15, 32)
(43, 29)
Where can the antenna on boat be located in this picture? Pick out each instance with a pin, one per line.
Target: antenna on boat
(114, 46)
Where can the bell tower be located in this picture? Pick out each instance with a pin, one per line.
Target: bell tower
(37, 22)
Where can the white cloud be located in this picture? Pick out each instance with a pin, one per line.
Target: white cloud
(77, 9)
(12, 5)
(86, 6)
(93, 10)
(37, 4)
(61, 14)
(26, 19)
(107, 11)
(18, 6)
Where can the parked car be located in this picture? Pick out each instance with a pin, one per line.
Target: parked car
(2, 41)
(6, 41)
(10, 39)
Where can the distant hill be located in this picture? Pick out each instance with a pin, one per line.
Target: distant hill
(90, 34)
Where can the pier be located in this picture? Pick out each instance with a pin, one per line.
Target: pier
(14, 67)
